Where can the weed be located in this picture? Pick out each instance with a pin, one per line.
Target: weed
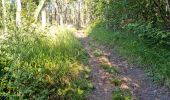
(120, 94)
(109, 68)
(116, 81)
(98, 53)
(86, 72)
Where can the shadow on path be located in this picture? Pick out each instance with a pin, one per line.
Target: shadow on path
(134, 79)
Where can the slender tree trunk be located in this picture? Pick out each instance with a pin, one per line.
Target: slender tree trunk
(61, 16)
(167, 5)
(74, 13)
(79, 16)
(61, 20)
(43, 14)
(85, 14)
(56, 5)
(55, 15)
(66, 15)
(51, 17)
(18, 13)
(4, 16)
(38, 10)
(106, 14)
(88, 13)
(168, 8)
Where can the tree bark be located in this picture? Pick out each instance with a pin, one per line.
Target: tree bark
(79, 16)
(61, 20)
(38, 10)
(18, 13)
(43, 14)
(4, 16)
(168, 8)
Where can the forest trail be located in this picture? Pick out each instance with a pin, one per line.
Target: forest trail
(129, 77)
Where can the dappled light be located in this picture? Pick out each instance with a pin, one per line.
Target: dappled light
(84, 50)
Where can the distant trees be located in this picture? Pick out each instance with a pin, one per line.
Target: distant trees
(48, 12)
(81, 12)
(62, 12)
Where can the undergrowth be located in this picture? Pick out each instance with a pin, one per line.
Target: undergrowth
(132, 42)
(42, 65)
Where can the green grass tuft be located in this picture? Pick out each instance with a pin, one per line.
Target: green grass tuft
(116, 81)
(109, 68)
(120, 94)
(98, 53)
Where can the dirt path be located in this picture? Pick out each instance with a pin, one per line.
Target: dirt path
(131, 78)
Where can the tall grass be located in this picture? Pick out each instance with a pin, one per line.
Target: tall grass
(155, 60)
(42, 65)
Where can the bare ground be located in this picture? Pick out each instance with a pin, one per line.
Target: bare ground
(134, 79)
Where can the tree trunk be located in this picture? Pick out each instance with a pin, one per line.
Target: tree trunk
(56, 12)
(38, 10)
(55, 15)
(79, 16)
(168, 8)
(18, 13)
(61, 20)
(65, 16)
(4, 16)
(43, 14)
(51, 17)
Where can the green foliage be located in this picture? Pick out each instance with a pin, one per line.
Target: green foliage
(80, 88)
(120, 94)
(130, 44)
(98, 53)
(148, 18)
(150, 35)
(86, 72)
(28, 9)
(42, 65)
(109, 68)
(150, 10)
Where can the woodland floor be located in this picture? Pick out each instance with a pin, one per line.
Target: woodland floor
(131, 78)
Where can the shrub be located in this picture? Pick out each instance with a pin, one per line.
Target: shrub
(151, 35)
(40, 65)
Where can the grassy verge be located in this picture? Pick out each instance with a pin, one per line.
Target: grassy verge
(155, 60)
(43, 65)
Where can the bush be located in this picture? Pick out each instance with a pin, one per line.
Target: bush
(40, 65)
(151, 35)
